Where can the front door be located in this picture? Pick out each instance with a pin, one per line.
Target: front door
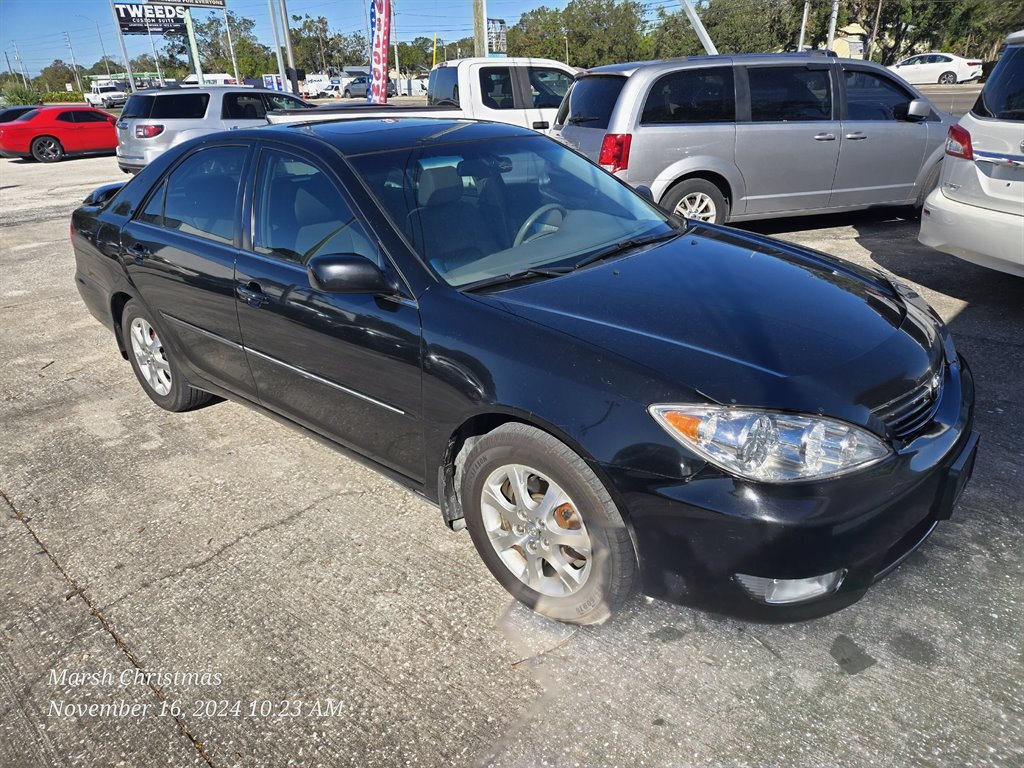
(788, 147)
(344, 365)
(880, 150)
(545, 88)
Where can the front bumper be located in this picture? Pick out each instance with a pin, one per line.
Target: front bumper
(993, 239)
(692, 538)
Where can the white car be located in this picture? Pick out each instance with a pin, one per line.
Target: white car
(977, 210)
(944, 68)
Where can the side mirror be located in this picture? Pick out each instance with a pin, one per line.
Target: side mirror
(645, 192)
(918, 109)
(347, 273)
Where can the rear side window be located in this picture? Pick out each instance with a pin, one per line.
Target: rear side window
(202, 192)
(85, 116)
(1003, 95)
(66, 117)
(870, 96)
(590, 102)
(138, 106)
(692, 96)
(443, 87)
(789, 94)
(181, 106)
(27, 116)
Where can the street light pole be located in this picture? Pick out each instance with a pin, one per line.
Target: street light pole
(21, 64)
(286, 28)
(74, 64)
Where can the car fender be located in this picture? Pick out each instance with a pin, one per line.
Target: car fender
(697, 165)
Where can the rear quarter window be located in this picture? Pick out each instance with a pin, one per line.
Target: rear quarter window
(443, 87)
(138, 106)
(180, 106)
(1002, 97)
(590, 101)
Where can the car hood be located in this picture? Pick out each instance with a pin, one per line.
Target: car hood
(738, 318)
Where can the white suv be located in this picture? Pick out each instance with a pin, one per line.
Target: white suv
(977, 210)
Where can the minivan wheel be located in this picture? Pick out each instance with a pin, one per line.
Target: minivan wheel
(947, 78)
(697, 199)
(47, 149)
(154, 366)
(545, 526)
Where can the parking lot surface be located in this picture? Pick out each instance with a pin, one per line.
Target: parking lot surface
(333, 620)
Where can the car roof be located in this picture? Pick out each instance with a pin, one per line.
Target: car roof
(1016, 38)
(359, 136)
(203, 89)
(629, 68)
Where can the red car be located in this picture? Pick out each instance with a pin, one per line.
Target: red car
(48, 134)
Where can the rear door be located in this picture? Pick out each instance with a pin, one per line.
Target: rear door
(880, 150)
(180, 252)
(344, 365)
(787, 143)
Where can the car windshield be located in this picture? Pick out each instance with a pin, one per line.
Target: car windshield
(477, 210)
(1003, 95)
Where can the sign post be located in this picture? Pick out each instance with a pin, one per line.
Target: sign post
(124, 51)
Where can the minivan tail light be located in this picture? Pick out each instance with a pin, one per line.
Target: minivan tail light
(958, 143)
(148, 131)
(615, 152)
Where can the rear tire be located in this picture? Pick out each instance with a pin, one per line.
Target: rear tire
(546, 527)
(155, 367)
(947, 78)
(931, 181)
(46, 149)
(697, 200)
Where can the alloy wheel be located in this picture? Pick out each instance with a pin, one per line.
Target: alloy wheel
(150, 357)
(48, 148)
(697, 205)
(536, 530)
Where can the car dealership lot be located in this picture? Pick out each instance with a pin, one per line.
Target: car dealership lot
(351, 628)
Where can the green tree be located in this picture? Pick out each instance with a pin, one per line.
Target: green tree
(539, 32)
(603, 31)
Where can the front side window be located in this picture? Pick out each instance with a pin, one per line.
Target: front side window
(1003, 95)
(789, 94)
(870, 96)
(548, 86)
(283, 101)
(475, 210)
(692, 96)
(496, 87)
(243, 106)
(202, 193)
(299, 213)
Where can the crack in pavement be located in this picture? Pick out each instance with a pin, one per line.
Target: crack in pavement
(107, 626)
(291, 517)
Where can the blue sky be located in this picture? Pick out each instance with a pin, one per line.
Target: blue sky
(38, 26)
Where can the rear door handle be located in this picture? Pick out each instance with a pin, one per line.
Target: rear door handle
(541, 125)
(824, 137)
(856, 136)
(138, 252)
(251, 293)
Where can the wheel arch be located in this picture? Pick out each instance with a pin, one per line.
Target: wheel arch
(118, 301)
(730, 188)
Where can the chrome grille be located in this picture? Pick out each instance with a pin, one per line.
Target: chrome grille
(908, 414)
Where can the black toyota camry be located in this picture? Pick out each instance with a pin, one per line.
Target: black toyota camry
(607, 397)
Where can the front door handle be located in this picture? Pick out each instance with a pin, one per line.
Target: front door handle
(251, 293)
(824, 137)
(856, 136)
(541, 125)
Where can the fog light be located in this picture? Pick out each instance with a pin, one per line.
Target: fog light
(776, 591)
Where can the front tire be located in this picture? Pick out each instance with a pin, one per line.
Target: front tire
(947, 78)
(47, 149)
(546, 527)
(697, 200)
(348, 94)
(154, 365)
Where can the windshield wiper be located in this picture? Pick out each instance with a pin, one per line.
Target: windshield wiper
(515, 277)
(582, 119)
(626, 245)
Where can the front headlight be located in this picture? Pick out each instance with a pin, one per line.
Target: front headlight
(768, 446)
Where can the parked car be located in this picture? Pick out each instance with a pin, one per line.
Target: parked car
(943, 68)
(49, 134)
(977, 211)
(7, 114)
(600, 392)
(106, 96)
(153, 121)
(733, 138)
(359, 87)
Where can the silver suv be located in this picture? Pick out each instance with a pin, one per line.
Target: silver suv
(154, 121)
(731, 138)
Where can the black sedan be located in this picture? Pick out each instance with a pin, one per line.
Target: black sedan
(605, 396)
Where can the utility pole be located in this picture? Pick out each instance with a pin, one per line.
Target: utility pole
(9, 68)
(803, 25)
(398, 69)
(231, 47)
(874, 31)
(277, 43)
(566, 49)
(21, 64)
(832, 25)
(698, 27)
(124, 51)
(286, 28)
(74, 64)
(479, 27)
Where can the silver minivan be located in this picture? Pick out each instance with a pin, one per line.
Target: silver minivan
(153, 121)
(732, 138)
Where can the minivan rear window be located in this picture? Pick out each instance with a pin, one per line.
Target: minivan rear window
(1002, 97)
(590, 101)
